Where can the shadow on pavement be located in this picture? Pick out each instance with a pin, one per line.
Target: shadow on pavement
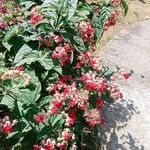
(116, 117)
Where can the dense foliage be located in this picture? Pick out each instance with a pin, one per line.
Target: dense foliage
(52, 88)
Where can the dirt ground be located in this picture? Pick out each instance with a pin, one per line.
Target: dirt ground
(138, 11)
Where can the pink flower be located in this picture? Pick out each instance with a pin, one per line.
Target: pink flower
(7, 128)
(100, 103)
(93, 117)
(36, 147)
(91, 86)
(3, 10)
(115, 92)
(19, 68)
(92, 61)
(92, 82)
(55, 106)
(87, 32)
(115, 3)
(57, 38)
(95, 63)
(62, 145)
(46, 145)
(62, 53)
(78, 65)
(35, 16)
(121, 74)
(102, 86)
(54, 110)
(56, 103)
(71, 117)
(49, 145)
(111, 20)
(3, 25)
(67, 135)
(40, 117)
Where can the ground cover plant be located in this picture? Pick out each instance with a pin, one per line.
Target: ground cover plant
(52, 89)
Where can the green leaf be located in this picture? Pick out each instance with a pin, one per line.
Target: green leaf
(45, 101)
(125, 7)
(10, 33)
(45, 27)
(28, 4)
(2, 63)
(29, 140)
(8, 101)
(32, 93)
(71, 36)
(46, 62)
(29, 58)
(7, 45)
(10, 135)
(43, 58)
(58, 69)
(57, 121)
(24, 50)
(98, 26)
(72, 4)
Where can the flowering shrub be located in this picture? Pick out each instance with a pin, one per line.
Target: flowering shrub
(52, 88)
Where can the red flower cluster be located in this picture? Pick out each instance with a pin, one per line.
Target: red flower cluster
(92, 82)
(19, 68)
(59, 84)
(35, 16)
(100, 103)
(8, 9)
(40, 117)
(86, 58)
(3, 10)
(6, 126)
(112, 19)
(121, 74)
(63, 53)
(115, 3)
(56, 37)
(93, 117)
(72, 96)
(115, 92)
(87, 32)
(46, 145)
(60, 144)
(70, 117)
(3, 25)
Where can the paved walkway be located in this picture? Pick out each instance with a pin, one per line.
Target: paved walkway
(128, 121)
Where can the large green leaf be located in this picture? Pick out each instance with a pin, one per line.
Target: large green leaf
(46, 61)
(28, 95)
(10, 33)
(72, 4)
(8, 101)
(24, 50)
(43, 58)
(58, 11)
(32, 93)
